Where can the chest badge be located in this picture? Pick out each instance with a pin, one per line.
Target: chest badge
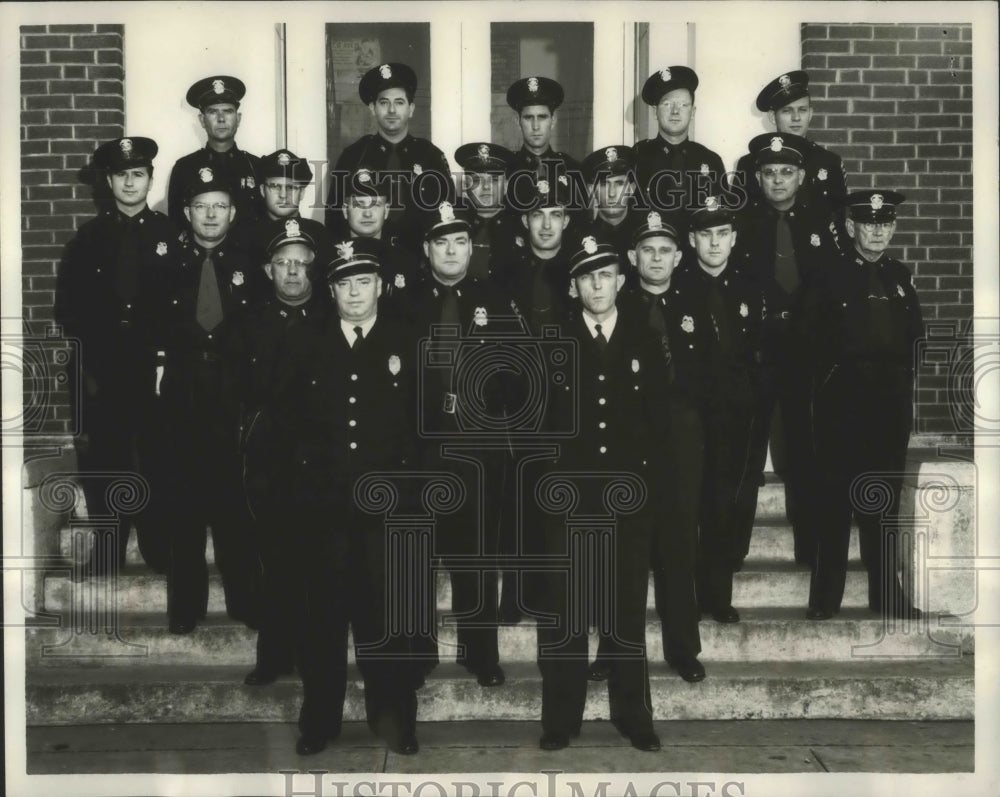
(237, 278)
(900, 291)
(479, 316)
(814, 239)
(821, 174)
(418, 169)
(687, 324)
(635, 366)
(400, 281)
(744, 310)
(161, 248)
(394, 364)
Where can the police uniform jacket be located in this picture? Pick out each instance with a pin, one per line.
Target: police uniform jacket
(239, 169)
(862, 313)
(539, 288)
(525, 160)
(348, 410)
(118, 333)
(656, 155)
(620, 400)
(416, 156)
(494, 243)
(813, 241)
(485, 318)
(733, 337)
(825, 182)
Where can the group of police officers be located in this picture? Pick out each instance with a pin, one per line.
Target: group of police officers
(261, 369)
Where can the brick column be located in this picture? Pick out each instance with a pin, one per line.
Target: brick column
(895, 101)
(72, 99)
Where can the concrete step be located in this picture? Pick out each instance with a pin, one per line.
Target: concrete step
(138, 589)
(897, 690)
(779, 634)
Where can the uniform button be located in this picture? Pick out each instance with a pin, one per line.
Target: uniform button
(352, 400)
(313, 381)
(603, 449)
(98, 271)
(209, 335)
(635, 387)
(602, 400)
(244, 301)
(600, 377)
(353, 446)
(175, 301)
(354, 377)
(128, 307)
(352, 422)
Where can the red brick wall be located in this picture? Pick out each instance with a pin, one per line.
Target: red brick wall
(895, 101)
(72, 99)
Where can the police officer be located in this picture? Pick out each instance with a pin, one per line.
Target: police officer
(674, 172)
(784, 237)
(366, 211)
(261, 344)
(718, 293)
(789, 109)
(349, 408)
(419, 171)
(445, 302)
(217, 285)
(536, 101)
(862, 318)
(284, 177)
(610, 171)
(494, 227)
(112, 280)
(623, 381)
(538, 279)
(217, 99)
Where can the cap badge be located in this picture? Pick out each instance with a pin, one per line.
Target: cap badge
(533, 85)
(665, 75)
(777, 144)
(814, 239)
(635, 366)
(784, 81)
(877, 201)
(821, 174)
(400, 281)
(237, 278)
(283, 159)
(292, 228)
(385, 71)
(589, 245)
(364, 176)
(610, 154)
(479, 316)
(712, 203)
(126, 145)
(744, 310)
(161, 248)
(218, 86)
(394, 364)
(543, 186)
(687, 324)
(345, 250)
(447, 211)
(653, 221)
(205, 174)
(484, 152)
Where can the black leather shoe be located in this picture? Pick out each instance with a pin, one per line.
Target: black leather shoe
(262, 676)
(688, 668)
(182, 626)
(490, 675)
(308, 744)
(818, 614)
(406, 744)
(727, 614)
(553, 741)
(647, 741)
(599, 670)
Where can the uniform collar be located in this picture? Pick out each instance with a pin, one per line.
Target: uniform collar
(229, 153)
(347, 327)
(607, 326)
(387, 144)
(664, 143)
(138, 218)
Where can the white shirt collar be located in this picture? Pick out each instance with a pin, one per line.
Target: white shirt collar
(347, 327)
(607, 326)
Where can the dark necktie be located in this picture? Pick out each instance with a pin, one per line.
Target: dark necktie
(879, 311)
(786, 270)
(449, 317)
(656, 322)
(393, 163)
(208, 311)
(717, 309)
(358, 337)
(127, 266)
(600, 340)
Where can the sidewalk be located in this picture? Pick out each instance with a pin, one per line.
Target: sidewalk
(747, 746)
